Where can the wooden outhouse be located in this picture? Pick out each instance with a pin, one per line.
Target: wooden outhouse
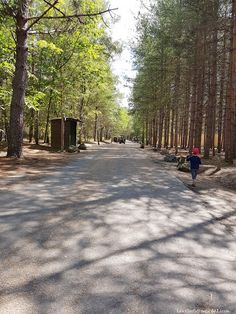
(63, 133)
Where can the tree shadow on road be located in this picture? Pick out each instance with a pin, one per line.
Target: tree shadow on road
(131, 240)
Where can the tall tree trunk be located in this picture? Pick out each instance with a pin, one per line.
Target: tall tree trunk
(81, 109)
(1, 113)
(201, 51)
(146, 131)
(167, 127)
(161, 120)
(221, 99)
(150, 132)
(176, 129)
(101, 134)
(230, 132)
(211, 106)
(31, 127)
(48, 117)
(95, 126)
(143, 131)
(154, 126)
(185, 129)
(15, 136)
(192, 115)
(6, 124)
(172, 127)
(177, 102)
(36, 128)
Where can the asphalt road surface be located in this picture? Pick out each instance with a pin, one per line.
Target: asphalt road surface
(113, 232)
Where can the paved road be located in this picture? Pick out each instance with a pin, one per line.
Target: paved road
(113, 232)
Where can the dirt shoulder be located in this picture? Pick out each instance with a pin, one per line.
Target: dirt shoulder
(37, 160)
(209, 178)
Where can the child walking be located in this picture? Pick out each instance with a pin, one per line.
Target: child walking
(195, 161)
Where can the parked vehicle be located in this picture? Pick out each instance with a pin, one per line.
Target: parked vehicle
(122, 139)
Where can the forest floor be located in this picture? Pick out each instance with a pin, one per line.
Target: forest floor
(209, 176)
(37, 160)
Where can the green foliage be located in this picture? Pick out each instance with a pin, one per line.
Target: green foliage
(6, 66)
(68, 64)
(164, 43)
(123, 122)
(51, 47)
(4, 97)
(6, 70)
(34, 101)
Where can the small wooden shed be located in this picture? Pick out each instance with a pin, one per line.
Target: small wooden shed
(63, 133)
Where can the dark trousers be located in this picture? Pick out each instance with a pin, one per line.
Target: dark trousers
(194, 173)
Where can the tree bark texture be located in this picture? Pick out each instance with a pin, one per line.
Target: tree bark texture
(211, 105)
(177, 102)
(36, 128)
(222, 97)
(161, 122)
(230, 136)
(95, 127)
(31, 127)
(200, 89)
(48, 117)
(15, 136)
(193, 108)
(167, 127)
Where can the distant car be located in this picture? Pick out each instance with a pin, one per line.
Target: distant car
(121, 140)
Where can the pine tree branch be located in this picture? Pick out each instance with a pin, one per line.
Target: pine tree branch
(104, 22)
(54, 6)
(49, 32)
(36, 19)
